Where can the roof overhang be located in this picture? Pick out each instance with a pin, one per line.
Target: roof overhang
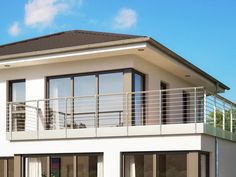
(153, 51)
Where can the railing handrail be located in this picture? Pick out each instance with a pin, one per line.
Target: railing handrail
(110, 94)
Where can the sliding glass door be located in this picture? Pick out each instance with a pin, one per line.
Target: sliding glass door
(165, 164)
(156, 165)
(110, 99)
(64, 166)
(85, 89)
(59, 89)
(89, 101)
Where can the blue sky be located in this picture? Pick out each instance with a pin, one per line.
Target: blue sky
(202, 31)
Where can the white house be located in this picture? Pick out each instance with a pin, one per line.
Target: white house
(92, 104)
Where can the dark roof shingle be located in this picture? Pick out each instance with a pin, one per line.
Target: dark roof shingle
(61, 40)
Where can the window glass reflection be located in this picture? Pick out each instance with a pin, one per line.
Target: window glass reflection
(137, 99)
(56, 109)
(85, 89)
(110, 91)
(18, 91)
(17, 96)
(156, 165)
(90, 166)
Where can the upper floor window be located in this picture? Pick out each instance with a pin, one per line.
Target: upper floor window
(17, 95)
(17, 91)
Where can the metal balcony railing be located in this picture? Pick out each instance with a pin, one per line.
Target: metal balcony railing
(157, 107)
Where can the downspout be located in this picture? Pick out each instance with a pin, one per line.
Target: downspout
(216, 146)
(216, 157)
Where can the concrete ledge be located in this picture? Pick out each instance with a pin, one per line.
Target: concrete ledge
(81, 133)
(144, 130)
(28, 135)
(180, 129)
(52, 134)
(111, 131)
(147, 130)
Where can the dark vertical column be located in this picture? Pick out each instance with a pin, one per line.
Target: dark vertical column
(162, 165)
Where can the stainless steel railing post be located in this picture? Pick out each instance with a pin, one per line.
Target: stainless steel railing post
(231, 118)
(127, 113)
(37, 119)
(205, 107)
(223, 111)
(65, 118)
(10, 120)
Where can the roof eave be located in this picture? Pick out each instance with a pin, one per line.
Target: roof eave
(187, 63)
(118, 43)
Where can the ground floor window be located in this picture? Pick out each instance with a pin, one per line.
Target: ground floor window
(36, 166)
(170, 164)
(204, 161)
(64, 166)
(6, 167)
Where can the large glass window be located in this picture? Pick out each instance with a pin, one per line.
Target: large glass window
(17, 96)
(85, 89)
(90, 166)
(64, 166)
(156, 165)
(59, 88)
(36, 167)
(110, 91)
(8, 165)
(85, 109)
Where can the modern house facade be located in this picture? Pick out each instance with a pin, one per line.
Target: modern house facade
(92, 104)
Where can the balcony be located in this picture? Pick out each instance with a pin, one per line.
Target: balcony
(158, 112)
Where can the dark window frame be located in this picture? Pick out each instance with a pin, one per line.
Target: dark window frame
(9, 89)
(143, 76)
(9, 99)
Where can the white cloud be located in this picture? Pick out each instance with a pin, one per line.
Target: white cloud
(125, 19)
(14, 29)
(43, 12)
